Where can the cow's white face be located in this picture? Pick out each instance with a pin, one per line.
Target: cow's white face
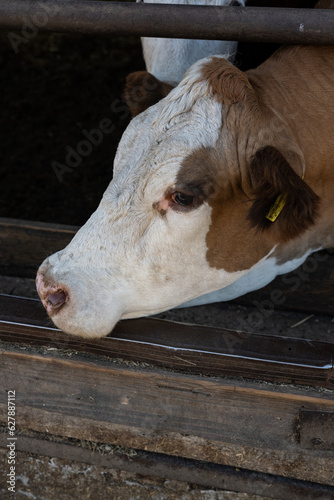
(162, 233)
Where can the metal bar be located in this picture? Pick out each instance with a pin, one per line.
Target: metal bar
(251, 24)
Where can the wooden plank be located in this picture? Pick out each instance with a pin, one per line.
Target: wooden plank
(191, 348)
(316, 429)
(25, 244)
(173, 468)
(236, 423)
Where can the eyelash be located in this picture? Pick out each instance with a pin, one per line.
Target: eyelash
(182, 199)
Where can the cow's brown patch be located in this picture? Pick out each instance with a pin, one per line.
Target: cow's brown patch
(226, 81)
(232, 244)
(240, 234)
(199, 172)
(231, 241)
(142, 90)
(256, 160)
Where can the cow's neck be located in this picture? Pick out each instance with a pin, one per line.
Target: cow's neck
(297, 82)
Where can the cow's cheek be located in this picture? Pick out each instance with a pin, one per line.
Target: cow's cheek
(179, 251)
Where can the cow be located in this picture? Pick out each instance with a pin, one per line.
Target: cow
(167, 59)
(219, 187)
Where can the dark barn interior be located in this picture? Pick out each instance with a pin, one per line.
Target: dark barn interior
(128, 416)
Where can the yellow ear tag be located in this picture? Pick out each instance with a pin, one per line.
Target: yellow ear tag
(277, 207)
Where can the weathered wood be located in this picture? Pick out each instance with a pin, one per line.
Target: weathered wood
(174, 468)
(236, 423)
(191, 348)
(25, 244)
(316, 429)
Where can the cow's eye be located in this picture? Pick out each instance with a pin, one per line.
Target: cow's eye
(182, 199)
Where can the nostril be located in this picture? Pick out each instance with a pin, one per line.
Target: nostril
(52, 294)
(56, 299)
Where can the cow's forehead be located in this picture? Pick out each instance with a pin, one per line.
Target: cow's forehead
(187, 119)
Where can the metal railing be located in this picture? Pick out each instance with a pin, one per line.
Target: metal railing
(251, 24)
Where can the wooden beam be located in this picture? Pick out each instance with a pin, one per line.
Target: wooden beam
(25, 244)
(191, 348)
(203, 474)
(231, 422)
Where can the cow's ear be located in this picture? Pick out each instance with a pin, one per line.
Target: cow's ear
(142, 90)
(282, 202)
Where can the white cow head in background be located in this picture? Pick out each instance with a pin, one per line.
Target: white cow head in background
(169, 58)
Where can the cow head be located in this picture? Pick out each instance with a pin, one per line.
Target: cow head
(195, 176)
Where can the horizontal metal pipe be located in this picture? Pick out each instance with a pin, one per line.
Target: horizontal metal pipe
(252, 24)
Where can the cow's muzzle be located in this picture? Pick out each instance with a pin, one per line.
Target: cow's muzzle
(53, 295)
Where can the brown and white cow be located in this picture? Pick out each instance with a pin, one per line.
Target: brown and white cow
(196, 177)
